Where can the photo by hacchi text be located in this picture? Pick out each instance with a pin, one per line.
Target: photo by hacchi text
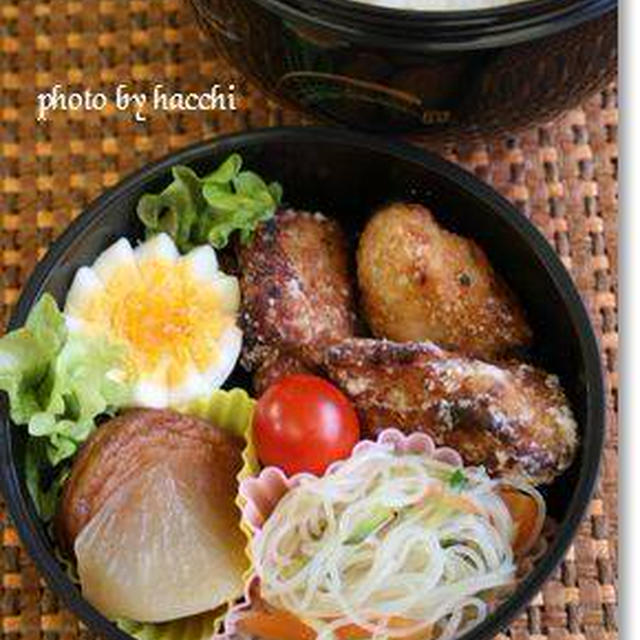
(139, 103)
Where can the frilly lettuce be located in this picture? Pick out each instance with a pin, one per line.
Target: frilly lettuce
(25, 357)
(58, 384)
(200, 627)
(197, 210)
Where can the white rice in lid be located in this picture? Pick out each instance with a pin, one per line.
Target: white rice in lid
(439, 5)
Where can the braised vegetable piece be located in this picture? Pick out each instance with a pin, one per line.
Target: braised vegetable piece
(511, 418)
(149, 510)
(296, 293)
(274, 624)
(133, 441)
(525, 514)
(304, 423)
(421, 282)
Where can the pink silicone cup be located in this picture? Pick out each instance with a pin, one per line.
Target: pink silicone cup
(262, 493)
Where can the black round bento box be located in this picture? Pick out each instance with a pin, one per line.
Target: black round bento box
(347, 175)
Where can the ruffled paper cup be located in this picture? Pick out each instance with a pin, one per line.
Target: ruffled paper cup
(232, 411)
(260, 494)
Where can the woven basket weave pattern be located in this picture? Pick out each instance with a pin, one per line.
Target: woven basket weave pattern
(563, 176)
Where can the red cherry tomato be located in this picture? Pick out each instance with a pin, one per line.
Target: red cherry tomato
(304, 423)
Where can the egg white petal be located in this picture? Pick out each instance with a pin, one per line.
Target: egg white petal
(192, 386)
(152, 389)
(150, 396)
(86, 286)
(202, 263)
(77, 325)
(160, 247)
(117, 258)
(227, 289)
(230, 343)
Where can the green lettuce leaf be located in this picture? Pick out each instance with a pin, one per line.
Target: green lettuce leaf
(199, 627)
(177, 210)
(26, 355)
(44, 482)
(57, 384)
(196, 211)
(87, 381)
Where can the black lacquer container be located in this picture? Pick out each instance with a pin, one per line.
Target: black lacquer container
(444, 74)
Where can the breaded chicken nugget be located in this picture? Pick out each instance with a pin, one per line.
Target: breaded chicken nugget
(297, 294)
(419, 282)
(510, 417)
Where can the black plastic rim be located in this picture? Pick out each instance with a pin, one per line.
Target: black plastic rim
(441, 30)
(19, 504)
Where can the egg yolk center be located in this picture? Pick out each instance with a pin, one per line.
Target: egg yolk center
(166, 317)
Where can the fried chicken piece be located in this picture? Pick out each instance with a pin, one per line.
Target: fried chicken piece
(421, 282)
(297, 294)
(279, 365)
(512, 418)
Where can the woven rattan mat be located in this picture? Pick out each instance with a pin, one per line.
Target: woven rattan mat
(563, 176)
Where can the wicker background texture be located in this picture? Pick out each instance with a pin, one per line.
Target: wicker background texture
(562, 175)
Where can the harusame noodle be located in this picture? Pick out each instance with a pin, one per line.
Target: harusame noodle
(395, 545)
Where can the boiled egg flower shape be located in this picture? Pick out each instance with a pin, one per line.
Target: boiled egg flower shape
(175, 317)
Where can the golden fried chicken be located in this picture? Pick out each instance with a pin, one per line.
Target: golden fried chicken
(512, 418)
(297, 294)
(278, 365)
(421, 282)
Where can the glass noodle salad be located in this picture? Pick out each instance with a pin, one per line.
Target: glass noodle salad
(394, 546)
